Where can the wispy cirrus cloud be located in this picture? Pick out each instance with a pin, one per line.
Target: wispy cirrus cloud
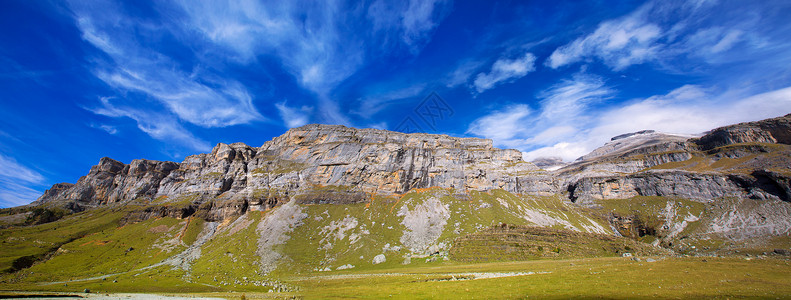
(503, 125)
(560, 115)
(196, 96)
(161, 126)
(680, 36)
(376, 101)
(294, 116)
(16, 181)
(618, 43)
(409, 22)
(504, 70)
(317, 42)
(558, 129)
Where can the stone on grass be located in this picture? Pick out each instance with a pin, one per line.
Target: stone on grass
(379, 259)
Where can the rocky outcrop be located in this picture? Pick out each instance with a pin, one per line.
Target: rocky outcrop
(110, 182)
(689, 185)
(776, 130)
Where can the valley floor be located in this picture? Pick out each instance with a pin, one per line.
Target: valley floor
(612, 277)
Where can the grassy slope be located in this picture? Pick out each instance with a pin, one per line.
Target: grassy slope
(38, 241)
(229, 261)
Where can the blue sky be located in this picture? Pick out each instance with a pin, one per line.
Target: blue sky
(160, 80)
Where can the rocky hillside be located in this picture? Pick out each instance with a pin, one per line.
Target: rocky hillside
(746, 160)
(327, 197)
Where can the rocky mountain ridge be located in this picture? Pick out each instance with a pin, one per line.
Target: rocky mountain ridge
(304, 162)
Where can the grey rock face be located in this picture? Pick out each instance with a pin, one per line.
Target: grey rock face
(299, 164)
(316, 164)
(690, 185)
(111, 181)
(776, 130)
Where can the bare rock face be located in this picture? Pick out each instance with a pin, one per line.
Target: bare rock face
(706, 168)
(110, 182)
(313, 164)
(678, 184)
(333, 164)
(776, 130)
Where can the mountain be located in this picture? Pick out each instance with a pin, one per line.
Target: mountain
(328, 197)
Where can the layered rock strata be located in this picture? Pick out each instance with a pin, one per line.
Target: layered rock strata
(317, 164)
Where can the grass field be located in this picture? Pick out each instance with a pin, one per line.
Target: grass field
(613, 277)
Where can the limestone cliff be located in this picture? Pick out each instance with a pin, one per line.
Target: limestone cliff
(301, 164)
(337, 164)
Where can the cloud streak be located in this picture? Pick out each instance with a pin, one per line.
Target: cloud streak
(197, 97)
(15, 181)
(687, 110)
(618, 43)
(561, 114)
(316, 42)
(504, 70)
(294, 117)
(160, 126)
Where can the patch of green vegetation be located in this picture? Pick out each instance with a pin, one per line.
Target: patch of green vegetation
(230, 259)
(27, 215)
(180, 200)
(696, 163)
(764, 147)
(512, 243)
(194, 228)
(592, 278)
(110, 251)
(38, 241)
(376, 226)
(648, 214)
(41, 215)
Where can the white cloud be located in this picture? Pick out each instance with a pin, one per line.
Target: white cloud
(14, 194)
(106, 128)
(226, 105)
(196, 97)
(294, 117)
(727, 41)
(618, 43)
(502, 125)
(676, 36)
(462, 73)
(687, 110)
(162, 127)
(11, 169)
(412, 20)
(569, 98)
(313, 40)
(15, 181)
(417, 20)
(375, 102)
(572, 121)
(505, 69)
(560, 116)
